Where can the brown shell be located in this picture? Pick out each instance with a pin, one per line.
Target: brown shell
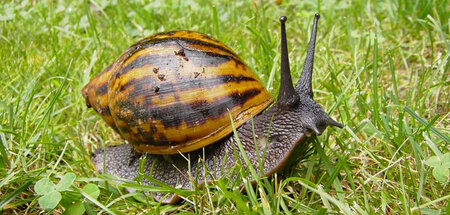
(173, 92)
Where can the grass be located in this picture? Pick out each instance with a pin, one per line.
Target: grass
(382, 69)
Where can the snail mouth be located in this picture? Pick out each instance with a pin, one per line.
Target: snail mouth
(319, 127)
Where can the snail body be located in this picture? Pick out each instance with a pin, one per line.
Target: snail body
(173, 93)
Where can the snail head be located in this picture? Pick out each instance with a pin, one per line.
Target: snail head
(299, 100)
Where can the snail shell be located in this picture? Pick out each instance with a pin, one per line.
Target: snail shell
(171, 92)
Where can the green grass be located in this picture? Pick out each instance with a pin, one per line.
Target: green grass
(382, 69)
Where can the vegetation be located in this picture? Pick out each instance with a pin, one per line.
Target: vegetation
(382, 69)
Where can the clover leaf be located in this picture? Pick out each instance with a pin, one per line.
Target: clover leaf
(50, 193)
(441, 166)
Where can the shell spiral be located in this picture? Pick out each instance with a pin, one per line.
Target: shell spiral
(172, 92)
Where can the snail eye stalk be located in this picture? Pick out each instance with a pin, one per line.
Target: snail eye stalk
(287, 95)
(304, 84)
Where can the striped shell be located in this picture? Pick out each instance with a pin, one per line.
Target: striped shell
(172, 92)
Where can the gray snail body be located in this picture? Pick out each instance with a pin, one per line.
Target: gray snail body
(268, 138)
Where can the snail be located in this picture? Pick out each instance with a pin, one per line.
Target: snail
(172, 96)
